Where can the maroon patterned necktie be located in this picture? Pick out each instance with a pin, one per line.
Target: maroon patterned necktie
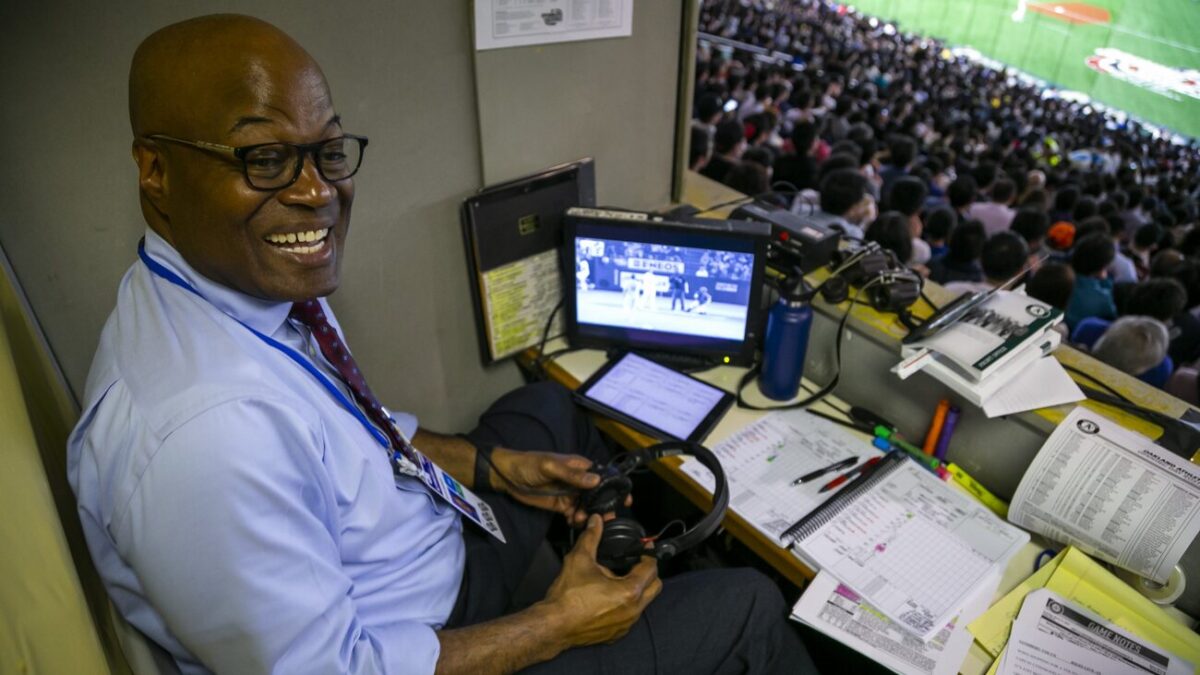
(311, 314)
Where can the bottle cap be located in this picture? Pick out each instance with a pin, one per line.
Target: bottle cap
(795, 288)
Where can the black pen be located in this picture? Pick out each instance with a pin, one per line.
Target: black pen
(867, 471)
(849, 461)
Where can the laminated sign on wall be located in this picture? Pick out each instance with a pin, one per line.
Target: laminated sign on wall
(516, 23)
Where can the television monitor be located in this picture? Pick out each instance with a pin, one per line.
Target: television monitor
(642, 283)
(512, 234)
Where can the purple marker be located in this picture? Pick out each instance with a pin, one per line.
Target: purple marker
(943, 443)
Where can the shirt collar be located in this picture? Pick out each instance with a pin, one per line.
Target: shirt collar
(264, 316)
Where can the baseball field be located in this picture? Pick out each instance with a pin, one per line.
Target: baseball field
(1140, 56)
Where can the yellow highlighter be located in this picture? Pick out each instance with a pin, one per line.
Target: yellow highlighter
(997, 505)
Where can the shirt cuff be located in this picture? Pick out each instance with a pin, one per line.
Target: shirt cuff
(407, 647)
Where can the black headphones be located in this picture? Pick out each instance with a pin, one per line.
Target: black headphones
(624, 540)
(888, 285)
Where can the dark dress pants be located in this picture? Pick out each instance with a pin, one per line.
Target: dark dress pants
(715, 621)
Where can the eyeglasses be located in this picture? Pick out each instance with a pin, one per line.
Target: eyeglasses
(274, 166)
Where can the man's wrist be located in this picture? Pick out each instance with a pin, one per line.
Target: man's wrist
(549, 614)
(482, 479)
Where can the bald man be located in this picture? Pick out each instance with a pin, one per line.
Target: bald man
(251, 506)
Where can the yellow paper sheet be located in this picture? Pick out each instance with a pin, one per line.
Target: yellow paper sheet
(991, 628)
(1076, 577)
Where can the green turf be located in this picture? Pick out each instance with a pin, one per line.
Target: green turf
(1164, 31)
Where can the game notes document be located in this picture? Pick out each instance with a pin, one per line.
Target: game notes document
(1052, 635)
(1112, 493)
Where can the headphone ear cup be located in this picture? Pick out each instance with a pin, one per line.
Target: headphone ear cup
(835, 290)
(621, 545)
(878, 297)
(609, 494)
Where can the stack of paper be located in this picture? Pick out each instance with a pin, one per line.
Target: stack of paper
(1079, 580)
(837, 611)
(914, 548)
(762, 460)
(997, 356)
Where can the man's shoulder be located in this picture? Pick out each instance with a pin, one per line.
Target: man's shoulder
(176, 355)
(123, 441)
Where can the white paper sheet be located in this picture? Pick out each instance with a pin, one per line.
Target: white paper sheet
(762, 460)
(516, 23)
(913, 547)
(1052, 635)
(837, 611)
(1113, 493)
(1042, 384)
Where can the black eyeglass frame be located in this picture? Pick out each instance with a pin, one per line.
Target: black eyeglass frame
(304, 149)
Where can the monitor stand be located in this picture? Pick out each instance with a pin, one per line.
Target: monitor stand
(684, 363)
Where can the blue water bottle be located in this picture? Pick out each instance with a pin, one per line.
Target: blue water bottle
(788, 325)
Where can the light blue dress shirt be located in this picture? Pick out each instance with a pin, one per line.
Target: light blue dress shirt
(239, 516)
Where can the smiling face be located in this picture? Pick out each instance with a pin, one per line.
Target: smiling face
(284, 244)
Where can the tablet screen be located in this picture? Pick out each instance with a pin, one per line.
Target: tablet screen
(656, 395)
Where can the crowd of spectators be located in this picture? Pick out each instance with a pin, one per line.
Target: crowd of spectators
(725, 265)
(970, 174)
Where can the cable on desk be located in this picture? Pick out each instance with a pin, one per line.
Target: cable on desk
(849, 424)
(731, 202)
(539, 364)
(1103, 385)
(837, 372)
(1179, 437)
(929, 302)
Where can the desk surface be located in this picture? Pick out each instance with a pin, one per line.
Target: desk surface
(883, 332)
(573, 368)
(995, 452)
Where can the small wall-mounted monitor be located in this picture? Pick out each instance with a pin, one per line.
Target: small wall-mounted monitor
(645, 284)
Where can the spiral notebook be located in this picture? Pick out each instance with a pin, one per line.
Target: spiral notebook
(912, 546)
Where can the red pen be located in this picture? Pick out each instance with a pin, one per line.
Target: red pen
(837, 482)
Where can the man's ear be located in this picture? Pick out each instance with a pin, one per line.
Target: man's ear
(863, 212)
(152, 175)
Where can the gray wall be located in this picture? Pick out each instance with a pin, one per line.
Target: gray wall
(610, 99)
(403, 73)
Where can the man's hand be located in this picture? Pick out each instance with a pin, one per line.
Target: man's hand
(546, 480)
(589, 602)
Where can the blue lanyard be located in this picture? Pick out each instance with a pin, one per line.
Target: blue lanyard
(158, 269)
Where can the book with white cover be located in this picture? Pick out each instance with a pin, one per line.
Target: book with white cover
(991, 335)
(988, 347)
(981, 392)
